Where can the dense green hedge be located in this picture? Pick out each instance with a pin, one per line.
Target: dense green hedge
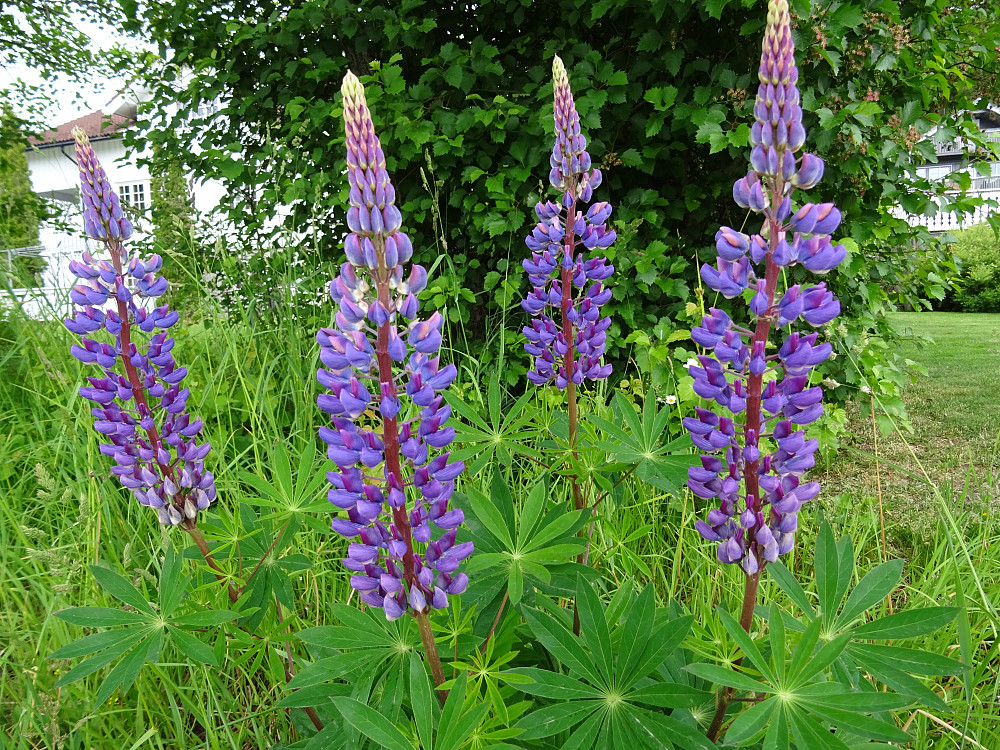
(462, 100)
(978, 289)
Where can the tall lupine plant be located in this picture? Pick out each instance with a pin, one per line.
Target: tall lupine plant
(381, 368)
(140, 406)
(760, 492)
(570, 350)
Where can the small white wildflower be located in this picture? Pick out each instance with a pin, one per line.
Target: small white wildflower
(692, 362)
(671, 399)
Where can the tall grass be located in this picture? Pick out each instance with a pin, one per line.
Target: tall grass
(252, 380)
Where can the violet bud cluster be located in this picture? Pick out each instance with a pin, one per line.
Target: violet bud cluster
(384, 383)
(140, 404)
(755, 468)
(561, 278)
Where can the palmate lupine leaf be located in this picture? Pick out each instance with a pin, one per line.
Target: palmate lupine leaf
(520, 551)
(611, 697)
(496, 434)
(640, 440)
(821, 670)
(292, 496)
(257, 554)
(364, 659)
(433, 727)
(142, 634)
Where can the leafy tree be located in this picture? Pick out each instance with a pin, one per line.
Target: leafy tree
(665, 92)
(20, 208)
(46, 36)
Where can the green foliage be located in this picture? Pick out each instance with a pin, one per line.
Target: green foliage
(517, 553)
(665, 93)
(638, 445)
(821, 669)
(24, 270)
(615, 691)
(252, 383)
(978, 251)
(172, 217)
(144, 632)
(20, 209)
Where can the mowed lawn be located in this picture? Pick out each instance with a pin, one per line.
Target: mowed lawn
(958, 398)
(955, 421)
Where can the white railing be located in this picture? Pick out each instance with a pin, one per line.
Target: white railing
(949, 221)
(963, 146)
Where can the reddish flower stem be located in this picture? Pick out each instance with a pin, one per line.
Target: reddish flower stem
(390, 439)
(142, 407)
(755, 384)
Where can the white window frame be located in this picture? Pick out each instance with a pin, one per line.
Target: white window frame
(135, 194)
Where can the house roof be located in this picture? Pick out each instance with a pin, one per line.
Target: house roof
(96, 125)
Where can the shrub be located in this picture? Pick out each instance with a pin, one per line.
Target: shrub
(978, 251)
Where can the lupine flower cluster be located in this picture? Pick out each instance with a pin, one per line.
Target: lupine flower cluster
(573, 350)
(141, 408)
(377, 332)
(760, 493)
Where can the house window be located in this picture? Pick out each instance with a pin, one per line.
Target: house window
(134, 194)
(938, 172)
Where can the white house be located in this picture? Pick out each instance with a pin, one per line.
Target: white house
(54, 175)
(952, 158)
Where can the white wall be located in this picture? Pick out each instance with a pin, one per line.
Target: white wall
(54, 174)
(54, 167)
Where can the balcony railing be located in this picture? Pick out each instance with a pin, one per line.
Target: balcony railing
(962, 146)
(949, 221)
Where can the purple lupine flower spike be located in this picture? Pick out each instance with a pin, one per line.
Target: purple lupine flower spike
(377, 328)
(760, 493)
(143, 412)
(572, 350)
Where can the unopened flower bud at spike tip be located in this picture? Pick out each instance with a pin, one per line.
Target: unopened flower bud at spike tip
(141, 408)
(752, 528)
(381, 356)
(572, 351)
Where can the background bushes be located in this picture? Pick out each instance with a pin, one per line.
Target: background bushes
(977, 250)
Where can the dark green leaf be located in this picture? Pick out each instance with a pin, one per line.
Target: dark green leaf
(746, 644)
(120, 588)
(421, 700)
(188, 645)
(550, 720)
(125, 672)
(827, 572)
(635, 632)
(100, 617)
(872, 589)
(859, 724)
(751, 722)
(827, 654)
(728, 677)
(810, 735)
(372, 724)
(787, 583)
(594, 627)
(207, 619)
(561, 643)
(128, 639)
(668, 695)
(908, 659)
(554, 685)
(906, 624)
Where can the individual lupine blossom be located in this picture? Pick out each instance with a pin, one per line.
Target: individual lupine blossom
(573, 349)
(377, 332)
(760, 493)
(139, 401)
